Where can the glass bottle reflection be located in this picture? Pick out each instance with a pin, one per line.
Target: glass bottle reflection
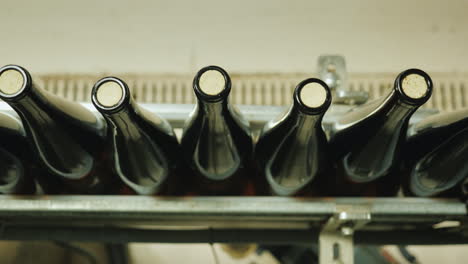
(144, 148)
(67, 138)
(16, 162)
(435, 156)
(292, 151)
(216, 140)
(367, 141)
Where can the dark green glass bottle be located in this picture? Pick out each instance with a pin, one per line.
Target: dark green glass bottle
(16, 161)
(216, 141)
(367, 142)
(145, 151)
(67, 139)
(435, 156)
(292, 150)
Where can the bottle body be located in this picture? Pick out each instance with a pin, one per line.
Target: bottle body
(216, 141)
(67, 138)
(145, 151)
(464, 190)
(292, 152)
(368, 140)
(16, 162)
(435, 156)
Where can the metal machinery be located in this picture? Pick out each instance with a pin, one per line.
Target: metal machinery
(335, 223)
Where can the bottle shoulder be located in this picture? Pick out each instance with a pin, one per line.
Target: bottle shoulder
(138, 125)
(49, 111)
(451, 121)
(11, 125)
(302, 132)
(70, 109)
(362, 113)
(442, 167)
(239, 118)
(228, 117)
(156, 122)
(215, 142)
(428, 134)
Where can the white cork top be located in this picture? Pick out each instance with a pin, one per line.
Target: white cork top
(109, 94)
(11, 82)
(313, 95)
(212, 82)
(414, 86)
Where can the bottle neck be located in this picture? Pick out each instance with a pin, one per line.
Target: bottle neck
(66, 136)
(38, 103)
(216, 155)
(212, 109)
(305, 125)
(296, 160)
(378, 142)
(139, 156)
(398, 111)
(33, 97)
(124, 118)
(29, 102)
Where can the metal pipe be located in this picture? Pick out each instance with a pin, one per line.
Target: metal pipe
(260, 236)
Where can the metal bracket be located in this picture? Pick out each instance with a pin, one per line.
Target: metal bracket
(336, 244)
(332, 70)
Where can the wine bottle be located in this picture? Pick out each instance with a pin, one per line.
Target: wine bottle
(464, 190)
(16, 163)
(145, 150)
(435, 156)
(216, 140)
(367, 141)
(67, 138)
(292, 150)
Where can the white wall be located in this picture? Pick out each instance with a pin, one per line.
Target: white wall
(242, 36)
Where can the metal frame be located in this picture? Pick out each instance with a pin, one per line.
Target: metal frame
(268, 220)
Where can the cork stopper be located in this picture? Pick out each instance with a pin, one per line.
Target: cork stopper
(11, 82)
(414, 86)
(109, 94)
(212, 82)
(313, 95)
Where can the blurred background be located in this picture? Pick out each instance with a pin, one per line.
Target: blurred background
(245, 37)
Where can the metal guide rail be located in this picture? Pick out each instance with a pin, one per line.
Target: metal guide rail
(231, 219)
